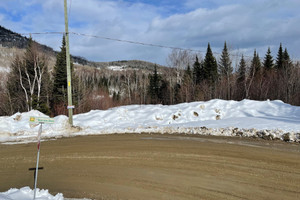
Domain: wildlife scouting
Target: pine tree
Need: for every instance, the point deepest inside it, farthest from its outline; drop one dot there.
(287, 74)
(188, 75)
(164, 93)
(242, 70)
(286, 59)
(59, 92)
(225, 67)
(279, 59)
(197, 72)
(255, 68)
(268, 61)
(60, 75)
(210, 67)
(241, 79)
(154, 86)
(177, 95)
(188, 72)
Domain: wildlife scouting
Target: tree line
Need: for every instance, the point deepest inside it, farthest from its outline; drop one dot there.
(199, 79)
(32, 84)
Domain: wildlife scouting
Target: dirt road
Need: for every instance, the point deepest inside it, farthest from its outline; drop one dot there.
(157, 167)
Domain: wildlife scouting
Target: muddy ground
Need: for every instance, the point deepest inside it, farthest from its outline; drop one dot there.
(144, 166)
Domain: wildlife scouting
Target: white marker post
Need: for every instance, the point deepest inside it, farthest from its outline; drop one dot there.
(37, 159)
(41, 121)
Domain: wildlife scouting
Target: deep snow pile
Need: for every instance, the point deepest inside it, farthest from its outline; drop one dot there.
(26, 193)
(248, 118)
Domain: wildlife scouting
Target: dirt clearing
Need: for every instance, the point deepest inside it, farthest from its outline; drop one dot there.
(144, 166)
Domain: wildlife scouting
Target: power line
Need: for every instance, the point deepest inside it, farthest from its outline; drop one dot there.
(149, 44)
(43, 33)
(124, 41)
(36, 33)
(114, 39)
(135, 42)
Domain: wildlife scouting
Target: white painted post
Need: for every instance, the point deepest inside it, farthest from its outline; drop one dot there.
(37, 159)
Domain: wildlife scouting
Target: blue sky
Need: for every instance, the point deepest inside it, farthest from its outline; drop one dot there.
(244, 24)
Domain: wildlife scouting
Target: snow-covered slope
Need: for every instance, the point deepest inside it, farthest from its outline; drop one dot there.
(267, 119)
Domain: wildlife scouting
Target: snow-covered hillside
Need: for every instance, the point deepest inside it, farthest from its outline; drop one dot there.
(247, 118)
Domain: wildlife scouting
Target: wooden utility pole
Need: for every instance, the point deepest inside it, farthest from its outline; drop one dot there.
(70, 106)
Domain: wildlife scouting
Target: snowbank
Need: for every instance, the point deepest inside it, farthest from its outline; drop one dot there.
(247, 118)
(26, 193)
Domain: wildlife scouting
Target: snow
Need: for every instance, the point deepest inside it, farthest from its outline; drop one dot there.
(117, 68)
(4, 69)
(248, 118)
(26, 193)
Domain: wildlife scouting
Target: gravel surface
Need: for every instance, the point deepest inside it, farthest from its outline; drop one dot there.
(154, 166)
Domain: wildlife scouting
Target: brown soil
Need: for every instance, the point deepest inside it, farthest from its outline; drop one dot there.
(140, 166)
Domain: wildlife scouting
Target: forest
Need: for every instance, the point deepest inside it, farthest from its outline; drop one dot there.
(33, 83)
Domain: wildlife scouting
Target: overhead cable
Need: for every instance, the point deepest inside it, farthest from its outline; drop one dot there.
(121, 40)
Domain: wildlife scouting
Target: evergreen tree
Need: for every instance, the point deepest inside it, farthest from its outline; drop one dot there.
(154, 86)
(177, 95)
(287, 67)
(197, 72)
(188, 76)
(188, 72)
(60, 75)
(210, 67)
(59, 92)
(225, 70)
(268, 61)
(279, 59)
(286, 59)
(242, 71)
(225, 67)
(255, 68)
(164, 92)
(241, 79)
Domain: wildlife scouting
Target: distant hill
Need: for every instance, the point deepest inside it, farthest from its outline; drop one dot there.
(11, 39)
(134, 64)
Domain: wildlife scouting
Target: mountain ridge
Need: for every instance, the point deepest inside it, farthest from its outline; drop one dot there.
(12, 39)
